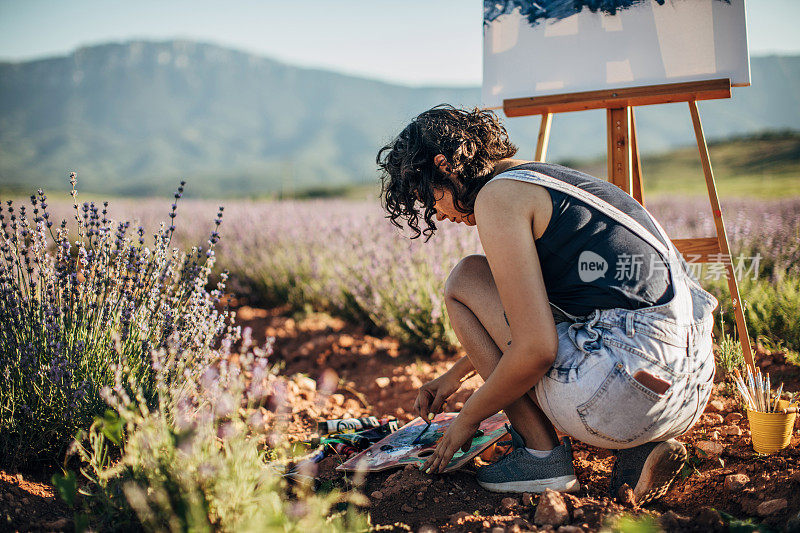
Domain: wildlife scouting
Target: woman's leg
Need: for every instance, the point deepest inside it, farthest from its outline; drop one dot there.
(476, 314)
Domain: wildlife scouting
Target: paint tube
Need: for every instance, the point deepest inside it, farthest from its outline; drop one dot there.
(341, 425)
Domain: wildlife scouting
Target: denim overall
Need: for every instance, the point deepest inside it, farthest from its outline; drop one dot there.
(589, 393)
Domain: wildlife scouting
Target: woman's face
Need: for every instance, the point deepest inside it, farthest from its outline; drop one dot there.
(446, 210)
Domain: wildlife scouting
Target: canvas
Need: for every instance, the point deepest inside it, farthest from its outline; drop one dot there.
(398, 449)
(562, 47)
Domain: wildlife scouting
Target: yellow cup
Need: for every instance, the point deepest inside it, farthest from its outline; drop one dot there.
(771, 432)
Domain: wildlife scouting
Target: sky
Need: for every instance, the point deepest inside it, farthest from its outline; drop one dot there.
(413, 42)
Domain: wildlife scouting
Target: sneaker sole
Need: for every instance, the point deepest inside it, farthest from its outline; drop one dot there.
(559, 484)
(660, 468)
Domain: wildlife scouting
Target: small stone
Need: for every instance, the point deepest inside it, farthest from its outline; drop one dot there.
(25, 501)
(498, 529)
(731, 430)
(458, 517)
(569, 529)
(733, 418)
(57, 525)
(736, 482)
(552, 509)
(338, 399)
(715, 406)
(714, 435)
(486, 524)
(383, 382)
(710, 519)
(772, 506)
(407, 508)
(796, 477)
(305, 382)
(508, 503)
(709, 448)
(523, 524)
(427, 528)
(377, 495)
(625, 496)
(712, 419)
(527, 499)
(420, 496)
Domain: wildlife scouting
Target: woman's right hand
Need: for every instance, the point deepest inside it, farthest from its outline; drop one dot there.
(432, 395)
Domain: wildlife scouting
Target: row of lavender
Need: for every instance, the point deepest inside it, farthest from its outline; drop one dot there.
(117, 362)
(344, 257)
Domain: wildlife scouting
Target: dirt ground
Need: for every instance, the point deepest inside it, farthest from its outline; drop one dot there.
(355, 374)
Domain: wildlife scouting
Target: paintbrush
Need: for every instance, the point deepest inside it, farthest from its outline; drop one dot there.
(777, 397)
(427, 425)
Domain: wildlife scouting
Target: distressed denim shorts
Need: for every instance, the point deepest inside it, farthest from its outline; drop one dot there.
(590, 394)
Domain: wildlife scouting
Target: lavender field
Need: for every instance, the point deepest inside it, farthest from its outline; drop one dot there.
(343, 257)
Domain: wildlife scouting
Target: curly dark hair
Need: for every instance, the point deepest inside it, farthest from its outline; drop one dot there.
(472, 141)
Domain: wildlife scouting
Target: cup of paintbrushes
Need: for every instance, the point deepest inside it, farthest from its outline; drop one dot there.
(771, 432)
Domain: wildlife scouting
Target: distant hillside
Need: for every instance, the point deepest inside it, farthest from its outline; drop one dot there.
(134, 118)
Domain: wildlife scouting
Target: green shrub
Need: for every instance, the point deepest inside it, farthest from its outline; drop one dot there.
(71, 308)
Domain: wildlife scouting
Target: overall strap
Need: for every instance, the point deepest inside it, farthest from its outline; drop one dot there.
(601, 205)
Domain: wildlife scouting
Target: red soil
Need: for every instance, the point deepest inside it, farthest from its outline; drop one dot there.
(346, 364)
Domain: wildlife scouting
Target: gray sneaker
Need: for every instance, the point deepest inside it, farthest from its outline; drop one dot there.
(519, 471)
(648, 469)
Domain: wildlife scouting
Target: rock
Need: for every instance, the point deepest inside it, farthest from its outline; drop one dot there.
(427, 528)
(736, 482)
(57, 525)
(338, 399)
(796, 477)
(305, 382)
(715, 406)
(733, 418)
(458, 517)
(527, 499)
(709, 519)
(383, 382)
(714, 435)
(771, 506)
(671, 521)
(523, 524)
(498, 529)
(712, 419)
(709, 448)
(625, 496)
(731, 430)
(407, 508)
(552, 509)
(508, 503)
(569, 529)
(377, 495)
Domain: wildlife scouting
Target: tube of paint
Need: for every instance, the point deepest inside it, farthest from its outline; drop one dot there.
(342, 425)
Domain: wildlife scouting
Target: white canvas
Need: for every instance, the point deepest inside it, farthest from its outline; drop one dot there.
(567, 46)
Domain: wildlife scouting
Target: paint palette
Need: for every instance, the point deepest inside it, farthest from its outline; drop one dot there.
(400, 449)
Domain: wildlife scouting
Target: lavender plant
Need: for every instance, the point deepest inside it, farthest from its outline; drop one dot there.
(197, 462)
(64, 301)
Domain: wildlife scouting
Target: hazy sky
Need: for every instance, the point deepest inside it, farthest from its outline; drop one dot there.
(409, 41)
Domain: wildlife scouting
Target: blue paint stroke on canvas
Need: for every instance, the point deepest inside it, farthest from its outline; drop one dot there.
(542, 10)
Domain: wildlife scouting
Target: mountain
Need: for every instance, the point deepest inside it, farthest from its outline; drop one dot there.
(134, 118)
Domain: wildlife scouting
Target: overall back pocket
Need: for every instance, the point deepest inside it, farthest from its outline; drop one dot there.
(622, 409)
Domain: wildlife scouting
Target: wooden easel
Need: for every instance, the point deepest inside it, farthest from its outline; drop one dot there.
(624, 165)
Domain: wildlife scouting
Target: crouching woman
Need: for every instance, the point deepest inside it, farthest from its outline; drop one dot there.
(581, 318)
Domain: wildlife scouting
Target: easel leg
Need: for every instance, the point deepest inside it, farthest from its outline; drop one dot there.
(619, 148)
(722, 236)
(544, 137)
(636, 164)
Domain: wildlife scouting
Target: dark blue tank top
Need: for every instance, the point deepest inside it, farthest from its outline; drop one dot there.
(590, 261)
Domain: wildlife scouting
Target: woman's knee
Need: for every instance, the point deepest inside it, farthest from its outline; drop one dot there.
(471, 270)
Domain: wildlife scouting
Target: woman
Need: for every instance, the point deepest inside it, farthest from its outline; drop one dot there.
(581, 317)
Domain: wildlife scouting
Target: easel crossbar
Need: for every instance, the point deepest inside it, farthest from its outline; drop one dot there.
(618, 98)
